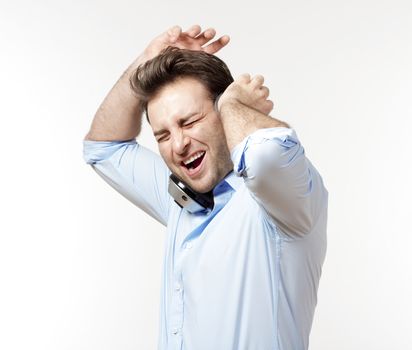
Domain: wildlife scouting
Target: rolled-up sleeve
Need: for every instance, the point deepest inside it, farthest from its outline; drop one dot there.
(281, 178)
(136, 172)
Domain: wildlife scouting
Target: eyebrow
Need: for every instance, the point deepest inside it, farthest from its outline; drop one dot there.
(181, 120)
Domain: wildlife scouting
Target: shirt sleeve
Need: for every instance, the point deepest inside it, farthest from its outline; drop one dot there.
(281, 178)
(136, 172)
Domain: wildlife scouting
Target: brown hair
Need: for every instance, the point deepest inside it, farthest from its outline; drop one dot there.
(174, 63)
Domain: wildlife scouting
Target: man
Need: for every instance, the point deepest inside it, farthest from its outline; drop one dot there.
(242, 273)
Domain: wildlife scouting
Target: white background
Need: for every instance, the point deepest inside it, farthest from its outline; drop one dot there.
(80, 266)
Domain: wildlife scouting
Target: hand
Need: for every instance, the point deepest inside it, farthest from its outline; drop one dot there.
(192, 39)
(249, 92)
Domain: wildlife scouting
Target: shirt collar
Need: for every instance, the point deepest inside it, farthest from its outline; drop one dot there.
(231, 182)
(234, 181)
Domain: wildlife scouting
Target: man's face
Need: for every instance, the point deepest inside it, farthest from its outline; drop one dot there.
(190, 134)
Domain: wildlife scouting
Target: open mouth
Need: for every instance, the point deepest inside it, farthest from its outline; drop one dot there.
(193, 163)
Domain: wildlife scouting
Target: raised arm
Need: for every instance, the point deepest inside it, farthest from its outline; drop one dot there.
(266, 152)
(119, 117)
(244, 108)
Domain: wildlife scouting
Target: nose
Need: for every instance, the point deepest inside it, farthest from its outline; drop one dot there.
(180, 142)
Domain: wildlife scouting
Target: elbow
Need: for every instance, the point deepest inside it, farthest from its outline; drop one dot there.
(87, 137)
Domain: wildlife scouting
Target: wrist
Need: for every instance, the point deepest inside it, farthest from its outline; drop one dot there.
(141, 59)
(221, 102)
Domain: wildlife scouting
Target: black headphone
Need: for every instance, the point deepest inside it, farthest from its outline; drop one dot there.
(187, 198)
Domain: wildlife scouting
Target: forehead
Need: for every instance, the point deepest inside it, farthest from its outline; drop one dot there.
(177, 100)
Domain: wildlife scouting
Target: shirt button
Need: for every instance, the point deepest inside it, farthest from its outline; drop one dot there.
(178, 287)
(188, 245)
(175, 331)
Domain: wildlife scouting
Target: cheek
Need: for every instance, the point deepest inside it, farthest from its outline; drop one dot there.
(165, 153)
(214, 135)
(205, 133)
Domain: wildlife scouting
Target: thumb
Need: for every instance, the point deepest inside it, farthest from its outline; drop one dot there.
(174, 33)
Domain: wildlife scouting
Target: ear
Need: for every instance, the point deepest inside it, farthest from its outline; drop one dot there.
(147, 116)
(146, 111)
(216, 106)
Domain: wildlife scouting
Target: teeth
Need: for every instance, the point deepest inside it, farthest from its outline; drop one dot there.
(194, 157)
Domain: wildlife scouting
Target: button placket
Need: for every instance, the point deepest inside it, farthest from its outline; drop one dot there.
(178, 287)
(176, 311)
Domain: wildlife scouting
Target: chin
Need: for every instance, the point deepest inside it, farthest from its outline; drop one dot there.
(201, 187)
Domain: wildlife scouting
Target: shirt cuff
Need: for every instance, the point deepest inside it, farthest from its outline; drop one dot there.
(285, 137)
(96, 151)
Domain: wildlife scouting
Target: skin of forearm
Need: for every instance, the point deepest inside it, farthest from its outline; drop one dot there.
(119, 117)
(240, 120)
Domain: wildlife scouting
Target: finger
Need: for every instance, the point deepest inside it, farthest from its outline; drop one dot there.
(245, 77)
(257, 80)
(267, 107)
(173, 33)
(206, 36)
(216, 45)
(193, 31)
(264, 91)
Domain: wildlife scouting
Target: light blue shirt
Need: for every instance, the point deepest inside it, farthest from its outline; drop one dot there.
(245, 275)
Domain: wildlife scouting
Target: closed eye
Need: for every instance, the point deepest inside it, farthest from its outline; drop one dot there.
(162, 138)
(190, 123)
